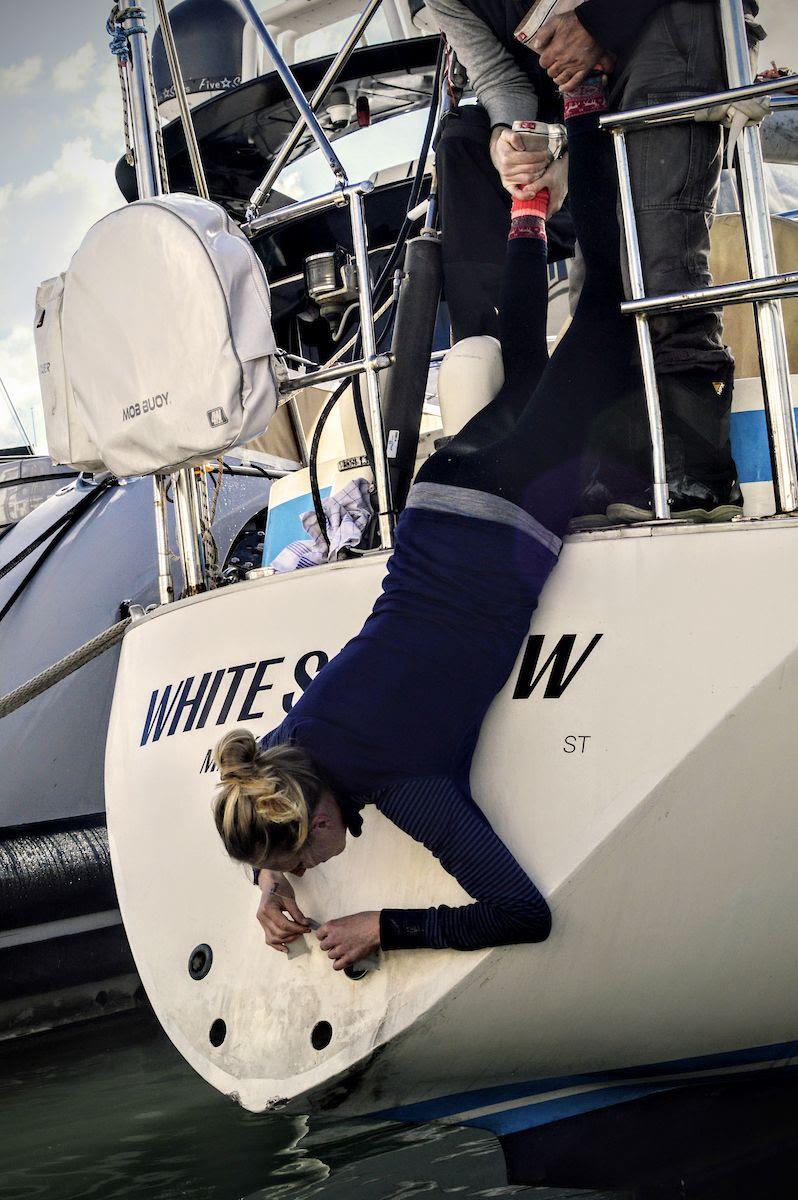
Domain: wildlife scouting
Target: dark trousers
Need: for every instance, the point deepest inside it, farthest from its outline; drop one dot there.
(475, 220)
(538, 464)
(676, 175)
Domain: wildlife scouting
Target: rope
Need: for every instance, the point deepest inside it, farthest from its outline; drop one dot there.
(206, 523)
(218, 491)
(119, 46)
(65, 666)
(158, 129)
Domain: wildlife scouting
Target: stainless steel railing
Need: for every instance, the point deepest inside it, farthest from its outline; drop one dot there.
(766, 287)
(330, 76)
(344, 194)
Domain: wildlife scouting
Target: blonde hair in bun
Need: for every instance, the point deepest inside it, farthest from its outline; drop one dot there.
(265, 798)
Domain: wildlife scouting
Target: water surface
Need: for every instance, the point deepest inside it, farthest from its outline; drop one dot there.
(110, 1110)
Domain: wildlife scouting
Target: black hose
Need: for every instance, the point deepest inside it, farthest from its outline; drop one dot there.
(406, 381)
(385, 275)
(362, 423)
(34, 545)
(59, 529)
(313, 466)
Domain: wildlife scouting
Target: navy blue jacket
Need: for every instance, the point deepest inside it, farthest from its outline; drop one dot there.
(394, 718)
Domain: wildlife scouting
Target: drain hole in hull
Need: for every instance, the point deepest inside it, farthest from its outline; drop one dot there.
(218, 1032)
(321, 1035)
(200, 961)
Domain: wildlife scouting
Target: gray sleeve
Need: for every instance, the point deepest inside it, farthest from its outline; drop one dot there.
(504, 90)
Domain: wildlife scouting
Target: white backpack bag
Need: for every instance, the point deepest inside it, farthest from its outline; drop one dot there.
(67, 440)
(167, 338)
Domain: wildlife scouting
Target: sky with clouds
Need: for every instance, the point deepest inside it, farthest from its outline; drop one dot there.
(60, 138)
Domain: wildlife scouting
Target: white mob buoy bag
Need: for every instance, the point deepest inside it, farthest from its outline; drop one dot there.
(165, 335)
(67, 439)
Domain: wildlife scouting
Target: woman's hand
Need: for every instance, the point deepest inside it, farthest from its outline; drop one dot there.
(556, 180)
(276, 900)
(516, 166)
(350, 938)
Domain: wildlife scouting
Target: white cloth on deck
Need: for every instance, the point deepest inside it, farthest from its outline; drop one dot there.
(348, 513)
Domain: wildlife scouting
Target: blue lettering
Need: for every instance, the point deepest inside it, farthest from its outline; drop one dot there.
(158, 717)
(192, 704)
(255, 687)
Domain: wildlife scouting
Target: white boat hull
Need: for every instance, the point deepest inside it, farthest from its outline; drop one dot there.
(650, 794)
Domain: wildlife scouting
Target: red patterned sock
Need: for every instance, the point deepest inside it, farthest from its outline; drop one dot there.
(528, 217)
(589, 97)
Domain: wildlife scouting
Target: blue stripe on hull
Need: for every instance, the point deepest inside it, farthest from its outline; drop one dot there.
(590, 1091)
(749, 439)
(545, 1112)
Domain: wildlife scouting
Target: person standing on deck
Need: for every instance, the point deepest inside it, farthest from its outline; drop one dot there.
(482, 167)
(666, 50)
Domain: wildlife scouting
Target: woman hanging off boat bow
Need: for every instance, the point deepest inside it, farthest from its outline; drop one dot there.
(394, 718)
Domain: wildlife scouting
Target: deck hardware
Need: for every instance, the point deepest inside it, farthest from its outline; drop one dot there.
(747, 291)
(321, 1035)
(200, 961)
(768, 315)
(298, 383)
(679, 110)
(217, 1033)
(298, 209)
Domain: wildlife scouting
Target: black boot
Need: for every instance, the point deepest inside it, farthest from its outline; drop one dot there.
(617, 466)
(701, 474)
(696, 411)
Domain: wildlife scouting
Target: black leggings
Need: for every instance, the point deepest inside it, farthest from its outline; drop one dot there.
(537, 465)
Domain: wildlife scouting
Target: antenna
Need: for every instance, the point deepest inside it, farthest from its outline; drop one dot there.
(25, 439)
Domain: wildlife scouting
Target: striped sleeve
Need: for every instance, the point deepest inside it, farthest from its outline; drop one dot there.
(508, 907)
